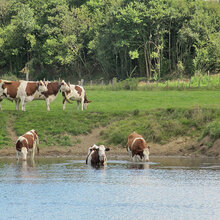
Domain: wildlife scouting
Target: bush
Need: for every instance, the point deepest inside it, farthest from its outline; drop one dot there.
(212, 130)
(10, 77)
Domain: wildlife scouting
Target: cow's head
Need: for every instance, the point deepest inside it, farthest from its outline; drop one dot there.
(100, 152)
(85, 104)
(64, 87)
(41, 87)
(146, 153)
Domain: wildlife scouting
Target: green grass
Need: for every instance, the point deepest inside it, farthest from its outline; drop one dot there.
(147, 112)
(4, 138)
(161, 125)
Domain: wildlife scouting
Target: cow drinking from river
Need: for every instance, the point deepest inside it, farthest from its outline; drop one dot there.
(28, 142)
(96, 155)
(137, 148)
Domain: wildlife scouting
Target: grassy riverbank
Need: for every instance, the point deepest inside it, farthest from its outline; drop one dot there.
(161, 116)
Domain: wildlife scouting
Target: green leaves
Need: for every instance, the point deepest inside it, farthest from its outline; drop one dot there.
(102, 38)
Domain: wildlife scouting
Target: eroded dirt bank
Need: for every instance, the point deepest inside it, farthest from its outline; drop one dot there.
(182, 146)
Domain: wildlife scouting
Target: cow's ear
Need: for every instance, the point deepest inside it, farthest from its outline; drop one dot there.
(107, 149)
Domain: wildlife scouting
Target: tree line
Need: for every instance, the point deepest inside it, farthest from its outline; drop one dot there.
(102, 39)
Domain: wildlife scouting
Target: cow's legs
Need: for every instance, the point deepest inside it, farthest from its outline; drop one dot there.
(64, 103)
(82, 102)
(33, 150)
(23, 104)
(17, 155)
(130, 154)
(78, 102)
(0, 103)
(17, 104)
(48, 104)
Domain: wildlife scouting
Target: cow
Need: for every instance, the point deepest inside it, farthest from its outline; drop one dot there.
(28, 142)
(96, 155)
(52, 91)
(137, 148)
(20, 91)
(76, 93)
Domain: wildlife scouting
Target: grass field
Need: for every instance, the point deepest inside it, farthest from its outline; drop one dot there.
(158, 115)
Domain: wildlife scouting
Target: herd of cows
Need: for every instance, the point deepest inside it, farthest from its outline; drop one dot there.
(27, 91)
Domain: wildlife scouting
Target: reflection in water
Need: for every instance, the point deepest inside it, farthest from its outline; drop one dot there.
(97, 167)
(138, 166)
(60, 188)
(26, 171)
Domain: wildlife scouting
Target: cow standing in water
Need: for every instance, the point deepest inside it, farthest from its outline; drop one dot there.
(20, 91)
(28, 142)
(76, 93)
(53, 89)
(96, 155)
(137, 148)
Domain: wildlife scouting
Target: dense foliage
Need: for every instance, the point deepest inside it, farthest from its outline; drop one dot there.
(95, 39)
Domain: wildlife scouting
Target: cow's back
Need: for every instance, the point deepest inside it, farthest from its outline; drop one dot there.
(11, 88)
(131, 138)
(31, 88)
(53, 89)
(30, 139)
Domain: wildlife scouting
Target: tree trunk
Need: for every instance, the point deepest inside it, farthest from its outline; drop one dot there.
(145, 60)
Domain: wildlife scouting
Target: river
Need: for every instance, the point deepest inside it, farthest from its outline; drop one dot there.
(65, 188)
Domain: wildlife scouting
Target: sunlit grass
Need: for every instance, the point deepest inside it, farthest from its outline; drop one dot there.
(109, 107)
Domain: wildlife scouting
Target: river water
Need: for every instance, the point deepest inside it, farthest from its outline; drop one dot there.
(64, 188)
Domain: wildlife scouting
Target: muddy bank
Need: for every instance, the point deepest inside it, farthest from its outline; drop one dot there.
(183, 146)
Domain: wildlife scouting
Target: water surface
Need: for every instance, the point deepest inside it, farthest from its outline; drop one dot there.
(63, 188)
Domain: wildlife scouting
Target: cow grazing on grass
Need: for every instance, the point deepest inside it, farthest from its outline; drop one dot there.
(137, 148)
(28, 142)
(96, 155)
(53, 89)
(76, 93)
(20, 91)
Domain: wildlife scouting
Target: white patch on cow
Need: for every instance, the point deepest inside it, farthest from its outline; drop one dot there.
(102, 156)
(146, 155)
(24, 153)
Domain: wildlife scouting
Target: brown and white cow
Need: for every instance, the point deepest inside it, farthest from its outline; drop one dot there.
(20, 91)
(137, 148)
(28, 142)
(96, 155)
(76, 93)
(53, 89)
